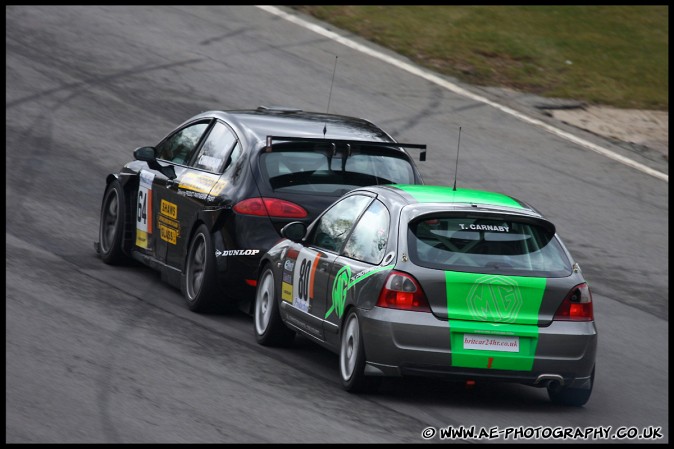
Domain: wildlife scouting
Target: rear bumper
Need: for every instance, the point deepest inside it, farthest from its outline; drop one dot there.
(403, 343)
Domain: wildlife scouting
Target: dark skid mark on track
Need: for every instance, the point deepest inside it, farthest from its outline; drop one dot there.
(101, 80)
(223, 37)
(431, 109)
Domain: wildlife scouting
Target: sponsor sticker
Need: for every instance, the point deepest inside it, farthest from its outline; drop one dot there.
(169, 209)
(287, 292)
(198, 182)
(287, 277)
(168, 234)
(491, 343)
(169, 228)
(236, 252)
(162, 220)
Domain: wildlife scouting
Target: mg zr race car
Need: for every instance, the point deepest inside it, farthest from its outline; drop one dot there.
(427, 280)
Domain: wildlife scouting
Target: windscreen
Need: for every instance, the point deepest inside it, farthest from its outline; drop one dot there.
(322, 172)
(486, 245)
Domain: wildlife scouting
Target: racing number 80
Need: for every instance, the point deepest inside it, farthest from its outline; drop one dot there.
(303, 287)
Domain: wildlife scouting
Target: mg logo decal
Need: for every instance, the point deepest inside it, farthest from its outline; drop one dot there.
(494, 298)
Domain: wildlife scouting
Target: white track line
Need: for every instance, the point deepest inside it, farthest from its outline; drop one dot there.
(460, 91)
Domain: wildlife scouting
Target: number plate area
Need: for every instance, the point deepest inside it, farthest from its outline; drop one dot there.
(491, 343)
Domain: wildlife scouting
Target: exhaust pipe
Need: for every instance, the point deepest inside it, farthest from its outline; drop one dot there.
(549, 380)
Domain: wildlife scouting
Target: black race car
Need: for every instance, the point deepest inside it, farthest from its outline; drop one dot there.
(205, 203)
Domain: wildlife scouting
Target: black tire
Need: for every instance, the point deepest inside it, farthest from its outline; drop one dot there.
(267, 323)
(200, 285)
(576, 397)
(112, 222)
(352, 357)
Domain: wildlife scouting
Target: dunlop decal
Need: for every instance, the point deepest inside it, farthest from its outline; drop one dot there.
(236, 252)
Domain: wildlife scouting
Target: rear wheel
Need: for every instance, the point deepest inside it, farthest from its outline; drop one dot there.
(269, 328)
(352, 357)
(111, 229)
(571, 396)
(200, 286)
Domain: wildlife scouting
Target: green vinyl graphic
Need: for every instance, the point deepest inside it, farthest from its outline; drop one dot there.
(493, 319)
(442, 194)
(343, 282)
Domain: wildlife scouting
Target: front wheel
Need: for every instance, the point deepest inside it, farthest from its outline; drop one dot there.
(111, 229)
(200, 286)
(269, 328)
(352, 357)
(571, 396)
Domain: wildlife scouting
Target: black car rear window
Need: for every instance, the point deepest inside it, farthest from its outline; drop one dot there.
(296, 171)
(483, 245)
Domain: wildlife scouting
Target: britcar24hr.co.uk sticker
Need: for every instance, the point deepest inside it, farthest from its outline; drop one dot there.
(144, 209)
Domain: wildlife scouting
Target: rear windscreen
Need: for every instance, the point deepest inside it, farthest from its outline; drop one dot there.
(482, 245)
(324, 173)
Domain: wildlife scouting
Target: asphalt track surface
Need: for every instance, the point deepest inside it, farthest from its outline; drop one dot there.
(106, 354)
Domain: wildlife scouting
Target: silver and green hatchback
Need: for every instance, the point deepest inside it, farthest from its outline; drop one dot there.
(430, 280)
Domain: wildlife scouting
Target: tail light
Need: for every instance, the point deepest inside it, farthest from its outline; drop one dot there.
(402, 291)
(270, 207)
(577, 306)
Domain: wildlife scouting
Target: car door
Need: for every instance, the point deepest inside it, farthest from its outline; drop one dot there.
(310, 264)
(356, 275)
(167, 208)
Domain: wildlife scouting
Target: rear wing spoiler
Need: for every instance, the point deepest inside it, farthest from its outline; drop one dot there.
(346, 144)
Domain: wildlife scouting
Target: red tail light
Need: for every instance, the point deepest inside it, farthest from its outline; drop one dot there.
(270, 207)
(402, 291)
(577, 306)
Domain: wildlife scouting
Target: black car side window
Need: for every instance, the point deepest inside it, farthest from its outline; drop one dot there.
(334, 226)
(179, 147)
(216, 148)
(368, 240)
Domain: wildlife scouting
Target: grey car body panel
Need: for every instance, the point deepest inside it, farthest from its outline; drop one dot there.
(400, 342)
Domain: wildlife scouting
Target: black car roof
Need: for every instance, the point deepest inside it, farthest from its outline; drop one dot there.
(259, 123)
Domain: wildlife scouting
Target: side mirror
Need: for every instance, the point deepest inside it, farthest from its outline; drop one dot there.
(147, 154)
(294, 231)
(144, 154)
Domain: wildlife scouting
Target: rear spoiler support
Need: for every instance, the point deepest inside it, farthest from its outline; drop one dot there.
(347, 143)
